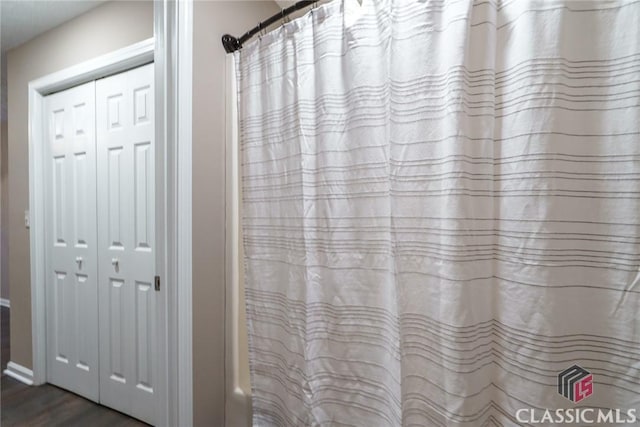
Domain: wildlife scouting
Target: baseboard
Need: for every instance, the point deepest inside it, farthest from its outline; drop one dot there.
(19, 373)
(5, 302)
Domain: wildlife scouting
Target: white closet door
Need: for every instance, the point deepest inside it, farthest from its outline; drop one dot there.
(126, 240)
(70, 234)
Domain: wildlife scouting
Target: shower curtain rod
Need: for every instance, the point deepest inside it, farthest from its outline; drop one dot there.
(231, 44)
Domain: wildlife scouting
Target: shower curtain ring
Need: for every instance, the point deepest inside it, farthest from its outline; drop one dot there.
(285, 18)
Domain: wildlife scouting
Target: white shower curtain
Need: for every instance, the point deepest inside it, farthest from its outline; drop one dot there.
(441, 211)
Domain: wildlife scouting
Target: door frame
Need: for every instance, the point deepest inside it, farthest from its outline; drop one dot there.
(171, 51)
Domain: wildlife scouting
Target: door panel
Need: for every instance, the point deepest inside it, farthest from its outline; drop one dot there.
(126, 240)
(71, 237)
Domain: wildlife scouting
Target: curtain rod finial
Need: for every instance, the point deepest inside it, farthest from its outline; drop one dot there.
(230, 43)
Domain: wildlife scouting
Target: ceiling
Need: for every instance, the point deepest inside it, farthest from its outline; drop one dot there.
(23, 20)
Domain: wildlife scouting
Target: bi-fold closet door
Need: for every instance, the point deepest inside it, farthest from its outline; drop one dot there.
(100, 232)
(71, 234)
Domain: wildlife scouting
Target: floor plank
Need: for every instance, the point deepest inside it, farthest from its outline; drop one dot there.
(47, 405)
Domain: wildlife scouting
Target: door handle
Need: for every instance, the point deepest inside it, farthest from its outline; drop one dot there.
(115, 262)
(79, 261)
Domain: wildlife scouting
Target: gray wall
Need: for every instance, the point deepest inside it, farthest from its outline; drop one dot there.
(211, 21)
(4, 188)
(4, 218)
(101, 30)
(106, 28)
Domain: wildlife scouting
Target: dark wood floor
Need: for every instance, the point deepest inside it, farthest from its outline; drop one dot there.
(50, 406)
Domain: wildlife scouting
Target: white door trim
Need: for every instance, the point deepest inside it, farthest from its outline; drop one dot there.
(184, 204)
(172, 42)
(173, 23)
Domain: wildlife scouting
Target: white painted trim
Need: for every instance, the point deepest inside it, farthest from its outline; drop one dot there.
(20, 373)
(174, 36)
(238, 400)
(184, 211)
(5, 302)
(36, 235)
(166, 382)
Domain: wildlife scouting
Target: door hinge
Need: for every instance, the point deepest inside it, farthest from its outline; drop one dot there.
(156, 282)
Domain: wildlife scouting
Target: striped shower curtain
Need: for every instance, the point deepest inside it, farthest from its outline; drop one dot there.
(441, 213)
